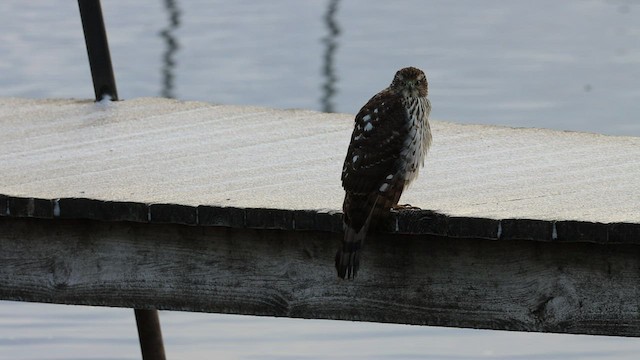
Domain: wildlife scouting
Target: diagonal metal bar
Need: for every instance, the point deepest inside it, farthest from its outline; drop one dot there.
(95, 36)
(104, 84)
(150, 334)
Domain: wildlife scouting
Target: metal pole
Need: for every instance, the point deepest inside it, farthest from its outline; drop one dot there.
(150, 335)
(95, 36)
(104, 84)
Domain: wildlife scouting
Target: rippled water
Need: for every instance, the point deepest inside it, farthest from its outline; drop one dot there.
(567, 65)
(561, 64)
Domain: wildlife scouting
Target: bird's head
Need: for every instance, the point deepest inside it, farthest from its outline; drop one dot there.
(410, 82)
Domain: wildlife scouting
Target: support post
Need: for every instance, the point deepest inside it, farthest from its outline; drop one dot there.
(95, 36)
(150, 334)
(104, 84)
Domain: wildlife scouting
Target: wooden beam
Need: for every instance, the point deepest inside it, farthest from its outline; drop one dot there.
(566, 287)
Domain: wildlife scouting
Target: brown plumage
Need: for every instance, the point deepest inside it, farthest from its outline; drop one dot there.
(388, 146)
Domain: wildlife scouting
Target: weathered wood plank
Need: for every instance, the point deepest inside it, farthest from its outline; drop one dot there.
(571, 287)
(411, 222)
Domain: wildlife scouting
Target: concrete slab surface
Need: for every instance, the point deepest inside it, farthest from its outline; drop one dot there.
(160, 151)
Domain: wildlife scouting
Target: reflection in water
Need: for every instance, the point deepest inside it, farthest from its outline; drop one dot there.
(328, 70)
(168, 61)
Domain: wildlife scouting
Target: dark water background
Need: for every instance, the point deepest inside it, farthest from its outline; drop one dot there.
(571, 65)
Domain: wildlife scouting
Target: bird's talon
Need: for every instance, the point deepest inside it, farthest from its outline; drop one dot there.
(405, 207)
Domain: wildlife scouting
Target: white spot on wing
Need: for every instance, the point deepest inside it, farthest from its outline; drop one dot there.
(366, 117)
(368, 127)
(390, 176)
(355, 158)
(384, 187)
(375, 111)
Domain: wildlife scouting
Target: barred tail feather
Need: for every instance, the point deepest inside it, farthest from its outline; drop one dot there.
(348, 255)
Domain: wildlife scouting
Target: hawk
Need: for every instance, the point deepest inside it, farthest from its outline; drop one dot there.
(388, 146)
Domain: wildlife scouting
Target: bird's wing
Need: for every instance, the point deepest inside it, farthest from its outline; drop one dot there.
(376, 144)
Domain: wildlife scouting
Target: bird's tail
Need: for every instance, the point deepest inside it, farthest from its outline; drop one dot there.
(348, 255)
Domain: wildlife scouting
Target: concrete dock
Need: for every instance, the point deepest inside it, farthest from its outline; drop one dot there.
(157, 203)
(191, 153)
